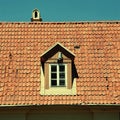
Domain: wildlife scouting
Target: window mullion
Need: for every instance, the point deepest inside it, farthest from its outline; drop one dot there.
(58, 75)
(65, 75)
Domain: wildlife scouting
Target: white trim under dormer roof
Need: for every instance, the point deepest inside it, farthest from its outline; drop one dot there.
(56, 45)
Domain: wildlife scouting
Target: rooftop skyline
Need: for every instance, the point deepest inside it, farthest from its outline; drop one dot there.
(60, 10)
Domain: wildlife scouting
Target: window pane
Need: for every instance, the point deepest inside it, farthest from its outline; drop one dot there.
(61, 68)
(62, 82)
(53, 68)
(54, 75)
(53, 82)
(62, 75)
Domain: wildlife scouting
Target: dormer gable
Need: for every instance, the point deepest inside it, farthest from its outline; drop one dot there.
(57, 51)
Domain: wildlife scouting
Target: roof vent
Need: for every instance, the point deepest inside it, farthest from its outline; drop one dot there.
(36, 16)
(77, 46)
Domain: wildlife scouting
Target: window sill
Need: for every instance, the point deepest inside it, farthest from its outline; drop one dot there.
(58, 86)
(59, 90)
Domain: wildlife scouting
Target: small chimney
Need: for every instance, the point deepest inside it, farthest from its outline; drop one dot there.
(36, 16)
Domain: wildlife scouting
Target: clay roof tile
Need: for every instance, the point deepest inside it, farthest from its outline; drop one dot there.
(96, 46)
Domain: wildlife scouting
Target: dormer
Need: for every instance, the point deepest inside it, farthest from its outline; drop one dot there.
(57, 71)
(36, 16)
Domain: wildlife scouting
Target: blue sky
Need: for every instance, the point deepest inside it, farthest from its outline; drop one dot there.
(60, 10)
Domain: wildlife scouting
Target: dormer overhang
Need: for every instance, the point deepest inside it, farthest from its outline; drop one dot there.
(58, 47)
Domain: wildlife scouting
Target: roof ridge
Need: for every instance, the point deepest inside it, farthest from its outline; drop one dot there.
(64, 22)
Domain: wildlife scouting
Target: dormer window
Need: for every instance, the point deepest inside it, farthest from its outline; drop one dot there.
(56, 71)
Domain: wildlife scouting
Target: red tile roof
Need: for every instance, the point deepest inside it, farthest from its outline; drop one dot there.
(97, 61)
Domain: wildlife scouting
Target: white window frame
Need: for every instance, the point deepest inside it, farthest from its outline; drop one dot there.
(57, 64)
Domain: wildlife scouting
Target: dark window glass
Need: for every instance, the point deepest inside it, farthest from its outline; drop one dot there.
(62, 75)
(36, 14)
(53, 75)
(62, 82)
(53, 68)
(53, 82)
(61, 68)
